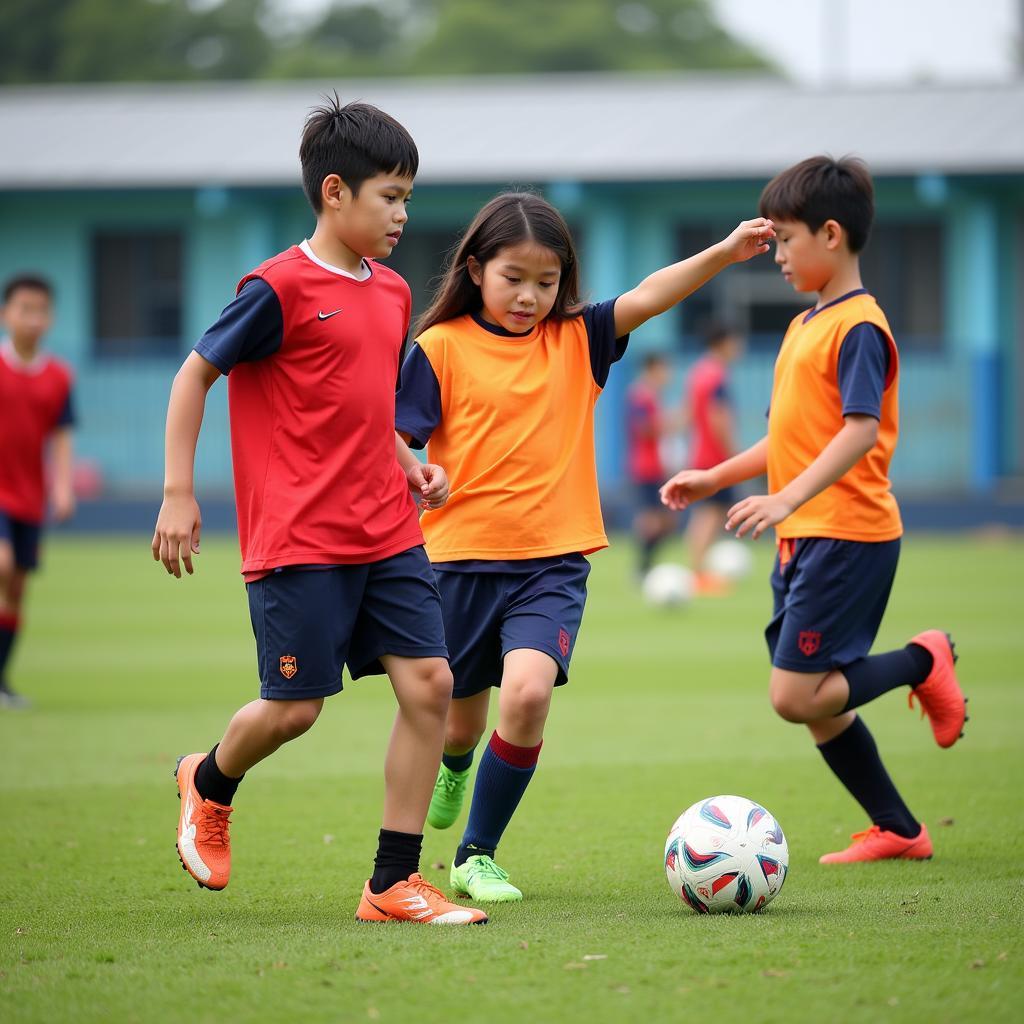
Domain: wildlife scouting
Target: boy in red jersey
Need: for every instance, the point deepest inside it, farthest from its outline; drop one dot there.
(332, 552)
(36, 412)
(832, 429)
(645, 428)
(708, 411)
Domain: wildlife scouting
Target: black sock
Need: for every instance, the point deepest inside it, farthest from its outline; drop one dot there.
(398, 856)
(464, 852)
(870, 677)
(647, 550)
(853, 757)
(458, 762)
(212, 783)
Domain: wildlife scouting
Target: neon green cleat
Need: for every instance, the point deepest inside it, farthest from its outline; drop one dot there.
(449, 792)
(482, 880)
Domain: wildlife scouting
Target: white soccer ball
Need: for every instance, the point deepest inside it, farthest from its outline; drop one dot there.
(730, 559)
(667, 584)
(726, 854)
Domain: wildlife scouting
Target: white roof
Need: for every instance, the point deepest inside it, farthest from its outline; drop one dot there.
(505, 129)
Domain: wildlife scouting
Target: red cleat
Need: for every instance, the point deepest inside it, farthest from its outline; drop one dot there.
(940, 694)
(204, 845)
(877, 844)
(415, 900)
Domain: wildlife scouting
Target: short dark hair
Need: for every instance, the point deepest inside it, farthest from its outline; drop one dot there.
(715, 332)
(653, 359)
(31, 282)
(820, 189)
(355, 141)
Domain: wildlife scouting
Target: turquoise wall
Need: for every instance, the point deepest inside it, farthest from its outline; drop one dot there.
(959, 411)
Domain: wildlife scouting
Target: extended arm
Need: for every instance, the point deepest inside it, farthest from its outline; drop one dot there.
(179, 522)
(664, 288)
(62, 456)
(757, 513)
(690, 485)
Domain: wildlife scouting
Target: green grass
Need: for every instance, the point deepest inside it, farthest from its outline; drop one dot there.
(129, 668)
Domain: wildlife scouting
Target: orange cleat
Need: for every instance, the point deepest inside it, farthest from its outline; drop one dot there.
(416, 900)
(878, 844)
(940, 694)
(707, 584)
(204, 846)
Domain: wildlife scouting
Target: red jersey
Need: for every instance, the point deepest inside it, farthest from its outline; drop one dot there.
(706, 386)
(35, 400)
(313, 358)
(643, 433)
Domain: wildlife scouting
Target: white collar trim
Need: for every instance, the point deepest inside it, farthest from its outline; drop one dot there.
(364, 267)
(10, 355)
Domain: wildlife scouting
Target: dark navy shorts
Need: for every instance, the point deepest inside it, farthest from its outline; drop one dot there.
(829, 602)
(538, 606)
(726, 497)
(310, 622)
(647, 495)
(23, 537)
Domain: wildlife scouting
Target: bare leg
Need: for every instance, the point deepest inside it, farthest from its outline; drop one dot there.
(527, 683)
(467, 720)
(706, 521)
(259, 728)
(423, 687)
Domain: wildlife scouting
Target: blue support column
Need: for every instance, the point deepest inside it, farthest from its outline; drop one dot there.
(604, 276)
(974, 314)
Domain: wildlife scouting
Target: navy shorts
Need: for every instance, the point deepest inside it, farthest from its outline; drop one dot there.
(647, 495)
(726, 497)
(23, 537)
(487, 614)
(829, 602)
(311, 622)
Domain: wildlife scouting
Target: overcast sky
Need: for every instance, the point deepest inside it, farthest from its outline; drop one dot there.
(865, 41)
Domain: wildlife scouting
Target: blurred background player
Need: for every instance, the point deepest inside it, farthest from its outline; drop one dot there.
(832, 430)
(36, 413)
(646, 426)
(708, 412)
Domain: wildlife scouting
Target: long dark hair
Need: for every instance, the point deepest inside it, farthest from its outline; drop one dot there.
(507, 220)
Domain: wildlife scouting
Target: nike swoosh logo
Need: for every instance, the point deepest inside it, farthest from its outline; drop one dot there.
(321, 315)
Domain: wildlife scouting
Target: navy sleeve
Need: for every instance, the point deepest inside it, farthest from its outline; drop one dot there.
(863, 370)
(721, 394)
(605, 348)
(250, 327)
(67, 414)
(418, 402)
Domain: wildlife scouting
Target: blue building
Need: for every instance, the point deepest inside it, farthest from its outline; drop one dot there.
(145, 204)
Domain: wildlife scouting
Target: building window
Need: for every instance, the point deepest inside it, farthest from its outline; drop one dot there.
(138, 293)
(902, 267)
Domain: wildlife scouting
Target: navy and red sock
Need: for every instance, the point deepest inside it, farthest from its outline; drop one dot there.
(8, 634)
(501, 780)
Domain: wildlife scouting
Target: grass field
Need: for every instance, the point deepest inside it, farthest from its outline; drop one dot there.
(129, 668)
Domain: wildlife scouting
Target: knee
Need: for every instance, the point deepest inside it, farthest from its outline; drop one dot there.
(530, 702)
(6, 566)
(435, 689)
(790, 706)
(296, 718)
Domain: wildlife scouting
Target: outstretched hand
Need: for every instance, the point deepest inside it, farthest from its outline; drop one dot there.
(756, 514)
(686, 487)
(750, 238)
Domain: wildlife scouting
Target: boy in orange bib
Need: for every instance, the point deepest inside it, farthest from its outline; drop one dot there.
(832, 429)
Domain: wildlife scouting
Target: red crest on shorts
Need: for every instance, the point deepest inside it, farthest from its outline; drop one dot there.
(563, 642)
(289, 666)
(809, 642)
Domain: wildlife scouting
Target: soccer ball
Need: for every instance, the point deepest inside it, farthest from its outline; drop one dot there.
(726, 854)
(730, 559)
(668, 584)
